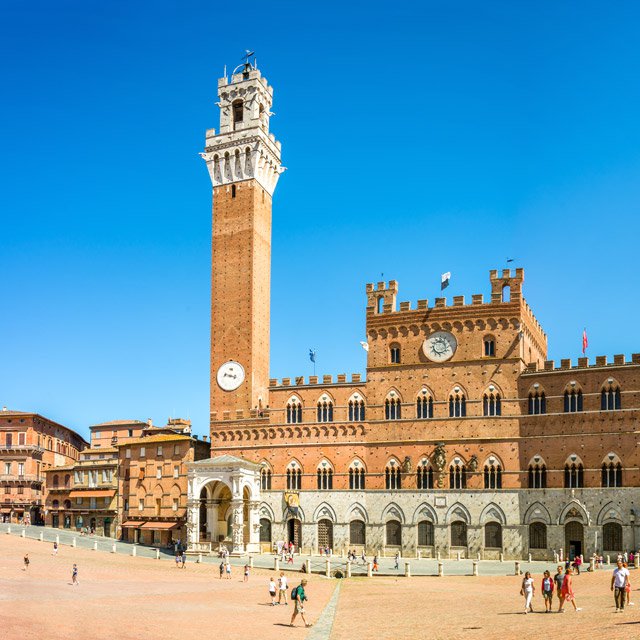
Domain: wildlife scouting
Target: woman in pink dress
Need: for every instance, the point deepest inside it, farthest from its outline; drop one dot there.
(566, 593)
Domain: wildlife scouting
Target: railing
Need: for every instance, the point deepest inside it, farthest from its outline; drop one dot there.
(11, 477)
(22, 447)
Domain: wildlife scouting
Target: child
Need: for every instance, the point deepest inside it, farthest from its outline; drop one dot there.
(221, 568)
(74, 575)
(55, 549)
(246, 573)
(547, 591)
(272, 591)
(26, 561)
(375, 563)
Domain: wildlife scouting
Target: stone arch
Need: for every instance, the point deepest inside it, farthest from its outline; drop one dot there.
(393, 393)
(537, 460)
(492, 459)
(574, 458)
(574, 510)
(266, 511)
(424, 390)
(537, 512)
(425, 512)
(493, 513)
(324, 511)
(357, 512)
(458, 511)
(393, 512)
(610, 513)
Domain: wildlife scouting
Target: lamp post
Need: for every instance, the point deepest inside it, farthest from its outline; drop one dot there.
(632, 519)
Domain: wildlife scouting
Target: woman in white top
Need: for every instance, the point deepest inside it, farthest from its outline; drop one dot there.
(527, 591)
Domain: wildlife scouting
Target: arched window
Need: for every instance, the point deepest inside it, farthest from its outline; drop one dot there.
(537, 474)
(491, 405)
(458, 534)
(492, 475)
(493, 535)
(67, 504)
(356, 475)
(392, 476)
(537, 403)
(424, 475)
(357, 532)
(265, 479)
(55, 481)
(380, 304)
(294, 477)
(325, 409)
(356, 409)
(394, 533)
(394, 353)
(572, 401)
(424, 405)
(67, 481)
(612, 537)
(265, 530)
(506, 293)
(489, 343)
(457, 475)
(612, 471)
(573, 473)
(425, 533)
(55, 504)
(610, 397)
(294, 411)
(324, 475)
(238, 112)
(538, 535)
(457, 404)
(392, 407)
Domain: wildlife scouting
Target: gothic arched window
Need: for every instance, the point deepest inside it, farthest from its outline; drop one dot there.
(238, 112)
(537, 403)
(324, 475)
(356, 409)
(457, 475)
(493, 475)
(491, 405)
(294, 477)
(457, 404)
(294, 411)
(265, 479)
(573, 473)
(572, 401)
(489, 343)
(392, 475)
(392, 408)
(325, 409)
(356, 475)
(424, 476)
(612, 471)
(537, 474)
(610, 397)
(424, 405)
(394, 353)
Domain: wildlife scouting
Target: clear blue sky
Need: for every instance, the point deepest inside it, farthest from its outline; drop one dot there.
(419, 138)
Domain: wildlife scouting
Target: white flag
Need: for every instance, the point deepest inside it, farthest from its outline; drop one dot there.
(444, 280)
(364, 345)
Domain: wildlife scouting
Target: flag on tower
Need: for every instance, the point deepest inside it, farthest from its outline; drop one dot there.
(444, 280)
(364, 345)
(312, 355)
(585, 341)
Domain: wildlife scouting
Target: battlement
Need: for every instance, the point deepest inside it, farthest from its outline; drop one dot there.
(382, 298)
(583, 363)
(299, 381)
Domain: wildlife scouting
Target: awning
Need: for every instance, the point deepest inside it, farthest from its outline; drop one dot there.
(132, 523)
(6, 510)
(159, 525)
(96, 493)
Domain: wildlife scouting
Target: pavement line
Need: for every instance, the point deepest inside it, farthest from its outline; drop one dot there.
(321, 630)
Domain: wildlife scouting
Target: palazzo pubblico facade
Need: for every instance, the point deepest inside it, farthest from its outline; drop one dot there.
(463, 438)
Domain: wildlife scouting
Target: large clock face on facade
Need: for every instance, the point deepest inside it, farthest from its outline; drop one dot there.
(230, 375)
(440, 346)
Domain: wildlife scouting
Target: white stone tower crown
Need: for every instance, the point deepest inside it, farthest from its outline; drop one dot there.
(244, 149)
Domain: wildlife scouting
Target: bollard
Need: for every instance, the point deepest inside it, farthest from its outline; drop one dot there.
(419, 555)
(95, 545)
(369, 570)
(9, 529)
(41, 537)
(23, 533)
(440, 569)
(73, 542)
(348, 568)
(561, 555)
(133, 551)
(501, 557)
(200, 558)
(608, 560)
(407, 569)
(327, 570)
(636, 561)
(556, 558)
(438, 556)
(157, 554)
(276, 564)
(57, 539)
(113, 548)
(518, 572)
(308, 564)
(475, 567)
(458, 556)
(529, 557)
(251, 562)
(478, 555)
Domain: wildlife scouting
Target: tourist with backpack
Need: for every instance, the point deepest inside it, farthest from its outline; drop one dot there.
(299, 596)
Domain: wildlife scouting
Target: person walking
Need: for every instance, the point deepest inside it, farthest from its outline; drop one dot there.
(26, 561)
(282, 588)
(558, 579)
(299, 596)
(619, 581)
(228, 570)
(527, 591)
(566, 592)
(375, 563)
(548, 584)
(246, 573)
(55, 549)
(272, 591)
(178, 558)
(184, 558)
(221, 569)
(397, 560)
(74, 575)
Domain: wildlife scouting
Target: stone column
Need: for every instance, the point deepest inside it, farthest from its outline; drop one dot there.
(193, 522)
(237, 528)
(253, 546)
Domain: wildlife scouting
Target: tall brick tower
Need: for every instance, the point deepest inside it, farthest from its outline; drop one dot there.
(243, 160)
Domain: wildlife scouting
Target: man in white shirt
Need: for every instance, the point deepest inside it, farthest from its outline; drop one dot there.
(619, 581)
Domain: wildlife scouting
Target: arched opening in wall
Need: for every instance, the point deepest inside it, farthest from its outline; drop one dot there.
(294, 476)
(357, 532)
(380, 304)
(493, 535)
(356, 409)
(356, 476)
(237, 109)
(610, 397)
(55, 482)
(324, 476)
(458, 534)
(265, 479)
(265, 530)
(572, 401)
(506, 293)
(573, 474)
(424, 475)
(493, 475)
(394, 533)
(537, 535)
(612, 537)
(325, 534)
(203, 515)
(392, 476)
(294, 532)
(574, 538)
(457, 475)
(394, 353)
(425, 533)
(538, 476)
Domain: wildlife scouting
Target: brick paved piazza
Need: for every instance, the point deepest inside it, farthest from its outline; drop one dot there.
(124, 597)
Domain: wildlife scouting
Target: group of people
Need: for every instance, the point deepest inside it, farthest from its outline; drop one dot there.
(181, 559)
(298, 596)
(74, 569)
(561, 584)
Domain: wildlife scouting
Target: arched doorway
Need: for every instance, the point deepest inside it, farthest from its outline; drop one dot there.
(294, 532)
(574, 538)
(215, 513)
(325, 534)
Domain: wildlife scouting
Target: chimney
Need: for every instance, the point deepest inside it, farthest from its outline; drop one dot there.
(204, 438)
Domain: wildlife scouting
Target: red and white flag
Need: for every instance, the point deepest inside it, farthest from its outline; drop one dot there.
(585, 341)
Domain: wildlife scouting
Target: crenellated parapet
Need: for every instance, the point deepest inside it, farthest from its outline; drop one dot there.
(315, 381)
(566, 364)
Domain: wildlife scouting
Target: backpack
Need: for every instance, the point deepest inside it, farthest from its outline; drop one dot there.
(294, 593)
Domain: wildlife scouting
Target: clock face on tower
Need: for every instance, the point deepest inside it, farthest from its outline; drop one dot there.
(230, 375)
(440, 346)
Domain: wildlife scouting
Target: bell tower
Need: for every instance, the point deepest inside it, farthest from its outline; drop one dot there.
(243, 160)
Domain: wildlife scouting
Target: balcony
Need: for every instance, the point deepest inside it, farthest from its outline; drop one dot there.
(32, 449)
(10, 477)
